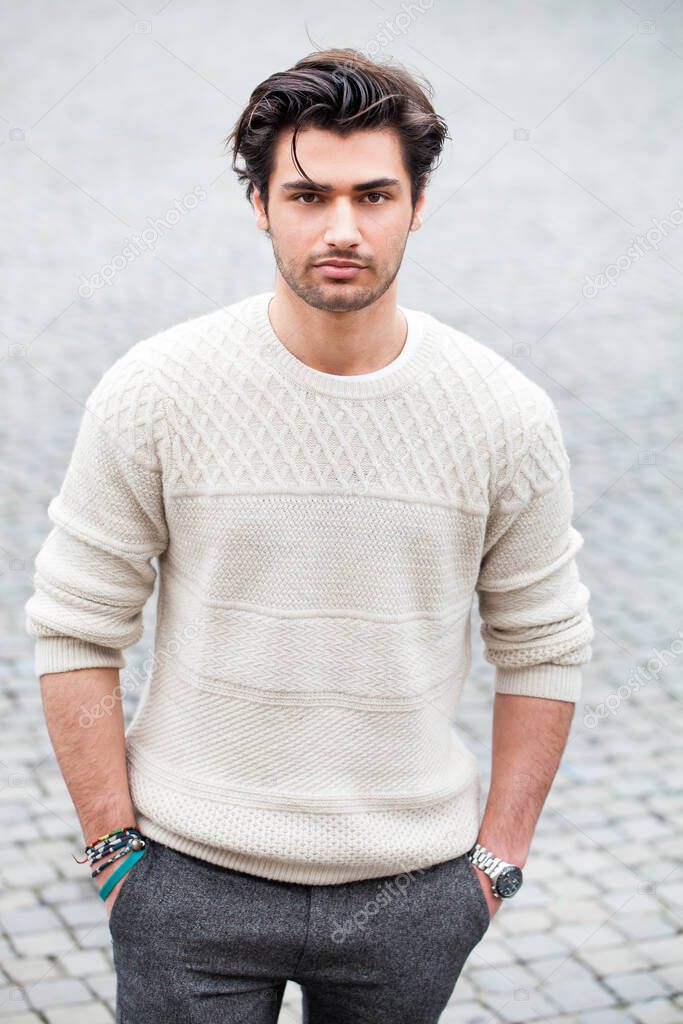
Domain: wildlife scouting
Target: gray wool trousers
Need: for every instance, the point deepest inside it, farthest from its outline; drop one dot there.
(196, 943)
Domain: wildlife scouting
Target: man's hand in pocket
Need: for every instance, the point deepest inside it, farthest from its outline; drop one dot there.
(104, 875)
(492, 901)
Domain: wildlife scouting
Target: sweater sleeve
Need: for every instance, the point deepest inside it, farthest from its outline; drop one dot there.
(94, 571)
(534, 608)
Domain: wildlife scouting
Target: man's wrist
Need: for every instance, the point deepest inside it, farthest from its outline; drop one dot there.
(503, 872)
(107, 863)
(106, 816)
(513, 853)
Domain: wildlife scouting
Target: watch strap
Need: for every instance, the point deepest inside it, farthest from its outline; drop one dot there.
(487, 861)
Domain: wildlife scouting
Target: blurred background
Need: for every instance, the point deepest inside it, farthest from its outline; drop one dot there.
(553, 234)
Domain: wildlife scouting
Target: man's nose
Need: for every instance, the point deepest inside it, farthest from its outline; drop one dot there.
(342, 227)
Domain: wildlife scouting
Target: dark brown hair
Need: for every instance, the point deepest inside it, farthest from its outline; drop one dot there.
(340, 90)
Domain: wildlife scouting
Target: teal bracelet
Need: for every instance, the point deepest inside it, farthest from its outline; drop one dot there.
(128, 862)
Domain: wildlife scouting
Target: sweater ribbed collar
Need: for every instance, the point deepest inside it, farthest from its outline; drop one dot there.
(278, 355)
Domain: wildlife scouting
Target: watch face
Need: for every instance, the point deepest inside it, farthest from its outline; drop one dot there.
(509, 881)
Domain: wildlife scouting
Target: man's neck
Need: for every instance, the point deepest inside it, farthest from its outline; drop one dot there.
(350, 342)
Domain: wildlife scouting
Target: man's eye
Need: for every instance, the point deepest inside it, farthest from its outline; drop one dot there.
(313, 195)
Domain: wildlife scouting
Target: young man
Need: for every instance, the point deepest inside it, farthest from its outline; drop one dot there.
(327, 478)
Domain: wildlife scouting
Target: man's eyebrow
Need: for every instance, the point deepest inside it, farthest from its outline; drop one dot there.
(365, 186)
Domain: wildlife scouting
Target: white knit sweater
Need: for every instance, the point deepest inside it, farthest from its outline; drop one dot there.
(320, 541)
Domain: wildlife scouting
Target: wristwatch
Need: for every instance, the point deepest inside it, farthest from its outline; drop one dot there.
(506, 878)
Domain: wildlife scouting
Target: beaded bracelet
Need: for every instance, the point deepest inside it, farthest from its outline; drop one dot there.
(124, 840)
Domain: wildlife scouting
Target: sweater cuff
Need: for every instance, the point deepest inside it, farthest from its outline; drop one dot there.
(64, 653)
(558, 682)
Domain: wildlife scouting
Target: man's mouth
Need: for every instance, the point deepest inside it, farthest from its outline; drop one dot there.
(339, 269)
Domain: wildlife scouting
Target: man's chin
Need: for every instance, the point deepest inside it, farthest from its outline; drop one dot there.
(339, 296)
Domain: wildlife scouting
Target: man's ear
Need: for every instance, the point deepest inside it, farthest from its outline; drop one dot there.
(416, 222)
(261, 215)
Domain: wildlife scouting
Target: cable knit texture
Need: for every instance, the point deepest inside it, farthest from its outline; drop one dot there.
(318, 542)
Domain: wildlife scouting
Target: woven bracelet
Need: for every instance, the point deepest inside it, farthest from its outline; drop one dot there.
(128, 863)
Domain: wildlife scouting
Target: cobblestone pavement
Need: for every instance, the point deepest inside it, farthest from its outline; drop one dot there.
(566, 143)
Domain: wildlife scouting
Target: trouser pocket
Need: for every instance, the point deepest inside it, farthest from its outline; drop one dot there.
(129, 883)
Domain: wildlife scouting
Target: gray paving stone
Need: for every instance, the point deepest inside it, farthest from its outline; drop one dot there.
(574, 994)
(635, 854)
(536, 896)
(29, 873)
(615, 960)
(663, 951)
(17, 899)
(670, 893)
(672, 976)
(14, 810)
(495, 952)
(86, 1013)
(525, 1005)
(466, 1012)
(674, 847)
(87, 911)
(65, 890)
(22, 831)
(95, 936)
(538, 945)
(466, 990)
(523, 921)
(635, 899)
(664, 803)
(609, 1016)
(21, 1018)
(24, 969)
(514, 976)
(104, 985)
(30, 919)
(650, 825)
(623, 881)
(82, 963)
(11, 853)
(51, 943)
(656, 1011)
(567, 967)
(44, 995)
(637, 985)
(590, 911)
(12, 1001)
(640, 926)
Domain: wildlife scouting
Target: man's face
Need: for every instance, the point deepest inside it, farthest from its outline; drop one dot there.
(369, 226)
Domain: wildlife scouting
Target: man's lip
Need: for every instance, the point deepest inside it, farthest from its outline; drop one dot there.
(339, 263)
